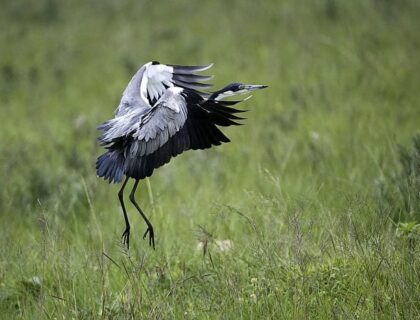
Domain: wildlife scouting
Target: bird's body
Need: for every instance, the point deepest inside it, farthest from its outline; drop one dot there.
(162, 113)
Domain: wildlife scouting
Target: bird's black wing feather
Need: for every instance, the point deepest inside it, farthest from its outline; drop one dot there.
(200, 131)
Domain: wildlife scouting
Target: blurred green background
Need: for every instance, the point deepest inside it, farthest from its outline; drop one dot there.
(318, 194)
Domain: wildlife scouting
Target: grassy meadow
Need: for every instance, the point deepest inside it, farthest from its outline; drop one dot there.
(311, 212)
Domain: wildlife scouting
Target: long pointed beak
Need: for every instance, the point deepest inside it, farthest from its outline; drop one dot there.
(253, 87)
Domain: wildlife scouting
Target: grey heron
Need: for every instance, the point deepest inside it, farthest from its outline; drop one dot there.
(162, 113)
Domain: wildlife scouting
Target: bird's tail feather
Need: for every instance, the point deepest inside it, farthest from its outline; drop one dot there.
(110, 166)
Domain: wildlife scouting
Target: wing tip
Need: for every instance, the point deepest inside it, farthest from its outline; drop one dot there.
(196, 68)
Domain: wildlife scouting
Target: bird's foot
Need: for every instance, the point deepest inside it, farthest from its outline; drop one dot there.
(151, 236)
(126, 238)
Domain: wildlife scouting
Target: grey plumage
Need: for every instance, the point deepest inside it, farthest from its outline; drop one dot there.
(162, 113)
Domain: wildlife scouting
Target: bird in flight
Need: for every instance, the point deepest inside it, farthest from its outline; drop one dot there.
(162, 113)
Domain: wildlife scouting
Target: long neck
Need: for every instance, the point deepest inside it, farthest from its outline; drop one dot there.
(221, 94)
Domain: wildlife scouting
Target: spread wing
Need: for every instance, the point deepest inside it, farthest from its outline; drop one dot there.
(180, 120)
(163, 121)
(151, 81)
(198, 130)
(147, 131)
(157, 78)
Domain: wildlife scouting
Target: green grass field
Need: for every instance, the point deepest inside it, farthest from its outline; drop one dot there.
(318, 194)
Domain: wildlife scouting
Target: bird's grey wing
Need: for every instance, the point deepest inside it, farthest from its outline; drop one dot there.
(121, 127)
(147, 129)
(157, 126)
(133, 136)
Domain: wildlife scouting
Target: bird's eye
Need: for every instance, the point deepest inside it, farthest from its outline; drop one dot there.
(155, 62)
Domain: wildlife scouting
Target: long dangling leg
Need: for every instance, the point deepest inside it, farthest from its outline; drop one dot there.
(149, 225)
(126, 234)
